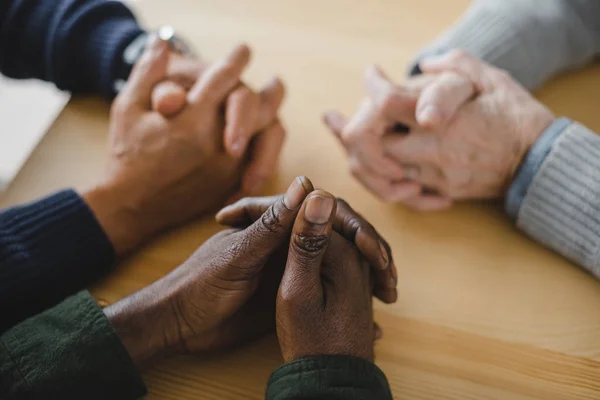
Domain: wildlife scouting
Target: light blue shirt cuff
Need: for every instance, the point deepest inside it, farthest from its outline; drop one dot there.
(532, 163)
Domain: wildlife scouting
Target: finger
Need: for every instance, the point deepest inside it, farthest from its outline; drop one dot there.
(264, 158)
(377, 331)
(168, 98)
(429, 202)
(220, 78)
(427, 175)
(458, 61)
(416, 148)
(440, 101)
(271, 98)
(308, 243)
(245, 211)
(348, 223)
(184, 70)
(362, 137)
(241, 115)
(387, 189)
(336, 122)
(147, 73)
(352, 226)
(391, 100)
(372, 246)
(275, 224)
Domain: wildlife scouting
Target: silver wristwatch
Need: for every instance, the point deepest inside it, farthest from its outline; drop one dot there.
(136, 48)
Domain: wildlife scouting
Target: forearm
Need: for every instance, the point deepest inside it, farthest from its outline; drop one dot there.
(78, 45)
(68, 352)
(49, 249)
(328, 377)
(532, 40)
(555, 197)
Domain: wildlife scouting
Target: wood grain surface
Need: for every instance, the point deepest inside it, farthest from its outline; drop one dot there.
(483, 312)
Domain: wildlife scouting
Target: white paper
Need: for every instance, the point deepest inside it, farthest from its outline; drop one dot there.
(27, 110)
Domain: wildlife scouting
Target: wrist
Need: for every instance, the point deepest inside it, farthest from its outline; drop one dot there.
(535, 126)
(141, 322)
(532, 162)
(118, 215)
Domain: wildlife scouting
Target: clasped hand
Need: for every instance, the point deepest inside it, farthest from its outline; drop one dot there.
(304, 262)
(467, 127)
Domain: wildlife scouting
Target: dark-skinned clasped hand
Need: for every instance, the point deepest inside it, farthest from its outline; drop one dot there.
(324, 304)
(225, 294)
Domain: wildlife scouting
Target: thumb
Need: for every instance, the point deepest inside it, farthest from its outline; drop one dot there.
(147, 73)
(310, 236)
(168, 98)
(441, 100)
(273, 228)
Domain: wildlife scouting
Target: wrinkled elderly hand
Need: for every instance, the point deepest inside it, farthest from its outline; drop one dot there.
(163, 172)
(469, 130)
(252, 126)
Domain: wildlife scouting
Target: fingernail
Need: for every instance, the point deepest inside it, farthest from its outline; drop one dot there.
(430, 115)
(394, 272)
(237, 147)
(294, 195)
(392, 283)
(384, 255)
(378, 334)
(319, 209)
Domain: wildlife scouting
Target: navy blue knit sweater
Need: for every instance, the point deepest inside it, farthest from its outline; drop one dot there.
(77, 45)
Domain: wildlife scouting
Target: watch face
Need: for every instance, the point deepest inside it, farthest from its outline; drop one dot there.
(167, 33)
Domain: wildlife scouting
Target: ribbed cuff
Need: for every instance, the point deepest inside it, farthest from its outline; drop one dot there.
(96, 33)
(49, 250)
(328, 377)
(562, 206)
(104, 49)
(530, 166)
(68, 352)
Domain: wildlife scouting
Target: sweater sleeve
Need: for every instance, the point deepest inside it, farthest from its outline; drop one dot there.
(328, 377)
(77, 44)
(531, 39)
(68, 352)
(49, 250)
(561, 204)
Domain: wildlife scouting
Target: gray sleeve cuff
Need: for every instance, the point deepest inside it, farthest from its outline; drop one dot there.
(515, 35)
(561, 209)
(533, 160)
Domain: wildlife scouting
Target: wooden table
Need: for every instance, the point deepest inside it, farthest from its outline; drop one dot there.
(483, 313)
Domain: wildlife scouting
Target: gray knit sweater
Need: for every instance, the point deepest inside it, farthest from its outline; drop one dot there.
(555, 196)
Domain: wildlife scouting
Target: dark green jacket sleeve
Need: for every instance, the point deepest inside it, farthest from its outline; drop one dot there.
(328, 377)
(68, 352)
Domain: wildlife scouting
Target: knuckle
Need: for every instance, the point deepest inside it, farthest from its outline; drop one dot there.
(271, 219)
(309, 246)
(119, 107)
(388, 101)
(342, 203)
(458, 55)
(355, 167)
(349, 137)
(502, 76)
